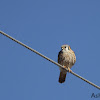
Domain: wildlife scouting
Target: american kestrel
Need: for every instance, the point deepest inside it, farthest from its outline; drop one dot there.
(67, 59)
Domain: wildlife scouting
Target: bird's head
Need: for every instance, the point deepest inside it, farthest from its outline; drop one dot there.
(65, 48)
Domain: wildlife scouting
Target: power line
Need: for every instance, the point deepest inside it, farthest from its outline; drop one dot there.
(48, 59)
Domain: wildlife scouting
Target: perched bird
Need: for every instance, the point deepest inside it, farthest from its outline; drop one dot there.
(67, 59)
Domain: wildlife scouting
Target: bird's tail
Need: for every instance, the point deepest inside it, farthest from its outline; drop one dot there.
(62, 77)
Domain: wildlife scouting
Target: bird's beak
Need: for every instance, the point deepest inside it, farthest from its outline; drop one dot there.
(61, 48)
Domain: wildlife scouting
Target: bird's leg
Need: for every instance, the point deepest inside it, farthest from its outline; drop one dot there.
(69, 70)
(64, 66)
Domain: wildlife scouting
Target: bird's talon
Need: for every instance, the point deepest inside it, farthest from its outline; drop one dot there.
(69, 70)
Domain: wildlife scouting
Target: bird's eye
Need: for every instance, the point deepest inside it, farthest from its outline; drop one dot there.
(65, 47)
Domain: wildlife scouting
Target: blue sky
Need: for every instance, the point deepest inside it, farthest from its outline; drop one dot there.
(45, 25)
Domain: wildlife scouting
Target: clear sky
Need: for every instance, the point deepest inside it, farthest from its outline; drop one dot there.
(45, 25)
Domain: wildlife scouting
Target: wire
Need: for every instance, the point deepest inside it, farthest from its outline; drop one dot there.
(48, 59)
